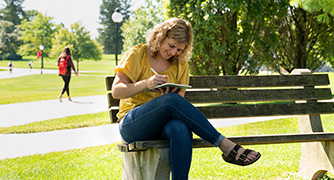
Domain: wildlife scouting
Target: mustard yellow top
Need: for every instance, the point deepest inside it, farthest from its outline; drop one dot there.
(135, 65)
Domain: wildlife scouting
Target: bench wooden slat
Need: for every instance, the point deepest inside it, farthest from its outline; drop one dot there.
(267, 109)
(109, 80)
(249, 95)
(253, 110)
(258, 81)
(112, 115)
(242, 140)
(258, 95)
(251, 81)
(112, 101)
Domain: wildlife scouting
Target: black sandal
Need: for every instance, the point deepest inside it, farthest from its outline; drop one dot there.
(241, 160)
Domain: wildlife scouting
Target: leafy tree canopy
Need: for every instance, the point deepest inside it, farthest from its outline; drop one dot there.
(234, 36)
(8, 41)
(34, 33)
(78, 39)
(134, 30)
(13, 11)
(325, 6)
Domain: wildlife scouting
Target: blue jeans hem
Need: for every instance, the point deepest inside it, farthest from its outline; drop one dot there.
(219, 140)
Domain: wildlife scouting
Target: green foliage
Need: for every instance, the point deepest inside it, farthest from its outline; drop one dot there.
(13, 11)
(78, 39)
(34, 33)
(107, 33)
(232, 37)
(224, 32)
(326, 7)
(10, 15)
(84, 46)
(296, 40)
(9, 41)
(134, 30)
(30, 15)
(63, 37)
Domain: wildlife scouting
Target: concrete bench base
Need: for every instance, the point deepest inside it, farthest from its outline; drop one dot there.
(152, 164)
(317, 157)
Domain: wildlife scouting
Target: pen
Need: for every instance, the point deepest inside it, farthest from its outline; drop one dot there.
(154, 71)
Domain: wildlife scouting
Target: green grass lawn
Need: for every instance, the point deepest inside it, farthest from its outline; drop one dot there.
(48, 86)
(105, 162)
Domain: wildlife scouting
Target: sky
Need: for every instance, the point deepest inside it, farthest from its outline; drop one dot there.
(69, 12)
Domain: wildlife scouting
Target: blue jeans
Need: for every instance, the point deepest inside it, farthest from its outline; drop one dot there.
(170, 117)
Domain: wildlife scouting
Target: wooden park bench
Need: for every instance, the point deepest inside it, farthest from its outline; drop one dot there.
(247, 96)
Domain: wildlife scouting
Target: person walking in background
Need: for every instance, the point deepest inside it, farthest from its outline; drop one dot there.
(10, 65)
(30, 65)
(65, 64)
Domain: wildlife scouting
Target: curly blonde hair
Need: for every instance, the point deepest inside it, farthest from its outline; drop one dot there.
(177, 29)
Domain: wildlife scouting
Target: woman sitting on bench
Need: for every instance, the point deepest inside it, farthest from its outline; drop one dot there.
(165, 114)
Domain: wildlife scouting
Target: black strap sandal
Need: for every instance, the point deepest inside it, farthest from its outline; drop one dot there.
(241, 160)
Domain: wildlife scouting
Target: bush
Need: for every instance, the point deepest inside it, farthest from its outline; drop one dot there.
(10, 56)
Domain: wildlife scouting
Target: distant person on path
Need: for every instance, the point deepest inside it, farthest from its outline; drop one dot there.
(10, 65)
(30, 65)
(65, 61)
(166, 114)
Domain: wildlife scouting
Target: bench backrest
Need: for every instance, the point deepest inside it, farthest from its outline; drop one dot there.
(249, 96)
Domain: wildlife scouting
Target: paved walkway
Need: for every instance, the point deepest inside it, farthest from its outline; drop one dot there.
(17, 145)
(22, 113)
(17, 72)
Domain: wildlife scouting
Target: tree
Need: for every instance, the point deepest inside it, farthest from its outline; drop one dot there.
(234, 36)
(224, 32)
(8, 41)
(30, 15)
(144, 18)
(34, 33)
(298, 40)
(11, 15)
(326, 7)
(78, 39)
(13, 11)
(107, 34)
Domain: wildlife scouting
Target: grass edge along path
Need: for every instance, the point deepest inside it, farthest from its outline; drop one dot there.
(105, 162)
(69, 122)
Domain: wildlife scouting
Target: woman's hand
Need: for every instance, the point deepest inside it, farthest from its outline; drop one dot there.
(157, 80)
(123, 87)
(168, 90)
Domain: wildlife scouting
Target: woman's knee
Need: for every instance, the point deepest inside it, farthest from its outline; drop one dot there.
(171, 98)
